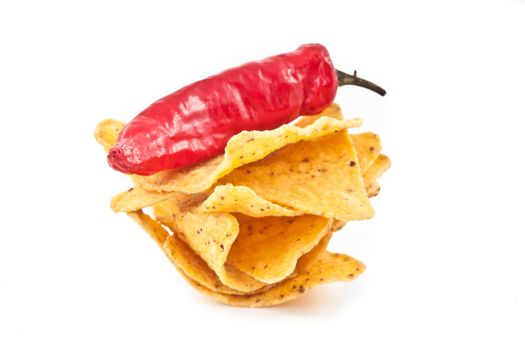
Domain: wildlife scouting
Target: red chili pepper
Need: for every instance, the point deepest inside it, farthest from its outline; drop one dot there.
(195, 123)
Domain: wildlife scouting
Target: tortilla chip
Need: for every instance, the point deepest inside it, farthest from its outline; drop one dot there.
(241, 199)
(106, 132)
(334, 111)
(363, 142)
(328, 267)
(372, 187)
(320, 177)
(181, 255)
(368, 147)
(211, 237)
(268, 248)
(243, 148)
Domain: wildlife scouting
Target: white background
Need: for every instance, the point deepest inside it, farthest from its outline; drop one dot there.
(445, 252)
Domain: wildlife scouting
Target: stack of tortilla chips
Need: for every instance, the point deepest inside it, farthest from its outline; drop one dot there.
(251, 227)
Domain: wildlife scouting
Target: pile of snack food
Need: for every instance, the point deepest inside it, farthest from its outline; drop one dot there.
(251, 227)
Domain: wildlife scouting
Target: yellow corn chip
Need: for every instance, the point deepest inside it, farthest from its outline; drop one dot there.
(211, 237)
(320, 177)
(368, 147)
(268, 248)
(243, 148)
(106, 132)
(241, 199)
(372, 187)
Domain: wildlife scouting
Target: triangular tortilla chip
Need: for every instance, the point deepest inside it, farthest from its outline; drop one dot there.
(368, 147)
(268, 248)
(320, 177)
(211, 237)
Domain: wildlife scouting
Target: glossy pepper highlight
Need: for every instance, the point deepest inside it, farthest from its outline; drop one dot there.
(195, 123)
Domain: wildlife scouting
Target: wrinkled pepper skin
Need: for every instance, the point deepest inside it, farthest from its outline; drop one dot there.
(195, 123)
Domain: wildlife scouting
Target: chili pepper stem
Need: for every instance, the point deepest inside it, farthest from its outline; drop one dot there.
(347, 79)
